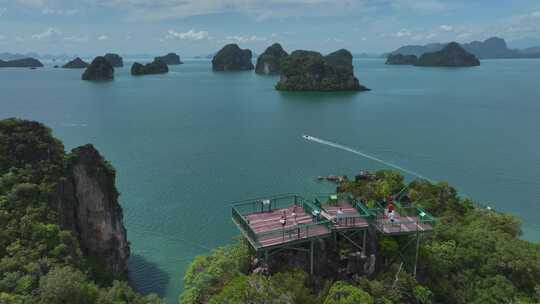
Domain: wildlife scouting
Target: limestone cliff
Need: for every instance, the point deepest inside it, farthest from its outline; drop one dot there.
(270, 61)
(89, 206)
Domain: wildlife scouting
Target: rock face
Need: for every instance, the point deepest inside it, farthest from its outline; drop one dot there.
(155, 67)
(269, 62)
(76, 63)
(310, 71)
(89, 206)
(232, 58)
(170, 59)
(99, 70)
(115, 60)
(21, 63)
(452, 55)
(400, 59)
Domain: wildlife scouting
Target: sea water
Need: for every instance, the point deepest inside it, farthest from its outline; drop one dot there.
(187, 143)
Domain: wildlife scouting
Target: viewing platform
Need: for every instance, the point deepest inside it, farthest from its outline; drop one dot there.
(278, 220)
(343, 211)
(407, 220)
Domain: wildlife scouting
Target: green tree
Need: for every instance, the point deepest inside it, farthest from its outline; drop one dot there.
(344, 293)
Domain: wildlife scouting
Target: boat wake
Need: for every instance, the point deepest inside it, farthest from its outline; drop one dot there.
(345, 148)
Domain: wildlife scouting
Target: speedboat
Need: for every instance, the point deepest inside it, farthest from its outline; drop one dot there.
(307, 137)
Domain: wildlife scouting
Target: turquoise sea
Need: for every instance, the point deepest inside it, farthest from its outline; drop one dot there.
(187, 143)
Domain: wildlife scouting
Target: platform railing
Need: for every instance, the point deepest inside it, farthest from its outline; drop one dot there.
(244, 225)
(267, 203)
(407, 217)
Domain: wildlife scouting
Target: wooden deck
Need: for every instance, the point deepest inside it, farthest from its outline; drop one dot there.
(402, 224)
(270, 232)
(351, 217)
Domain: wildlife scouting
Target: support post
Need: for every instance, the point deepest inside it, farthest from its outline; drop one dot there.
(416, 256)
(311, 257)
(364, 241)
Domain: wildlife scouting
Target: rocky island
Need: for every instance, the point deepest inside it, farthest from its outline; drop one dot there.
(63, 238)
(155, 67)
(21, 63)
(399, 59)
(269, 62)
(310, 71)
(99, 70)
(170, 59)
(452, 55)
(76, 63)
(232, 58)
(115, 60)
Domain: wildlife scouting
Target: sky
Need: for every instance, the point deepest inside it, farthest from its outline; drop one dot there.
(199, 27)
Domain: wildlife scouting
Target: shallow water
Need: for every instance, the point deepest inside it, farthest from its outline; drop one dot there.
(187, 143)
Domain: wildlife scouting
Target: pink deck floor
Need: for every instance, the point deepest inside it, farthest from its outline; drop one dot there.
(402, 224)
(352, 217)
(270, 231)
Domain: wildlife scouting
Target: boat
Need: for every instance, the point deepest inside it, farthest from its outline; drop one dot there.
(307, 137)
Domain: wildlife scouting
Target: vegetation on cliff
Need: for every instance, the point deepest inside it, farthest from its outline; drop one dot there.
(155, 67)
(76, 63)
(21, 63)
(41, 259)
(310, 71)
(170, 59)
(269, 62)
(114, 59)
(399, 59)
(99, 70)
(452, 55)
(232, 58)
(474, 255)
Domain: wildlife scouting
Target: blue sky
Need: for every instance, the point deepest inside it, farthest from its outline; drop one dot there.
(195, 27)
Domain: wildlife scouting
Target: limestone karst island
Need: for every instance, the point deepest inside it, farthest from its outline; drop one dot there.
(269, 152)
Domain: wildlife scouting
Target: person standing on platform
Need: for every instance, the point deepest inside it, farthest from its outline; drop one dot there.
(283, 221)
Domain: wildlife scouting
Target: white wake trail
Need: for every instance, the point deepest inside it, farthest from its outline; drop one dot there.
(345, 148)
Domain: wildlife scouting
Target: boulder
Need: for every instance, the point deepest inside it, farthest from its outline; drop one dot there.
(100, 69)
(399, 59)
(232, 58)
(452, 55)
(21, 63)
(310, 71)
(155, 67)
(76, 63)
(115, 60)
(269, 62)
(170, 59)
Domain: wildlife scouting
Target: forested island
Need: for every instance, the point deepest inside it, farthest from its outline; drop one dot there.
(62, 237)
(474, 255)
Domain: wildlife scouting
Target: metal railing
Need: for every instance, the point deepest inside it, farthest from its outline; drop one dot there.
(297, 232)
(409, 219)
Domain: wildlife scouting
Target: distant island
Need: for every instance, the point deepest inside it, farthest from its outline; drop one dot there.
(21, 63)
(155, 67)
(270, 61)
(170, 59)
(452, 55)
(99, 70)
(232, 58)
(310, 71)
(76, 63)
(114, 59)
(492, 48)
(400, 59)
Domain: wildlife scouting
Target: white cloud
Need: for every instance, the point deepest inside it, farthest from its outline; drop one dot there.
(243, 39)
(192, 35)
(403, 33)
(422, 6)
(59, 12)
(103, 38)
(446, 28)
(3, 11)
(535, 14)
(48, 34)
(77, 39)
